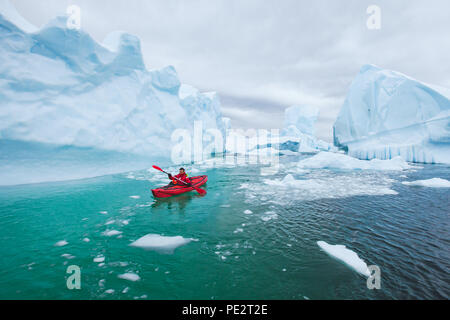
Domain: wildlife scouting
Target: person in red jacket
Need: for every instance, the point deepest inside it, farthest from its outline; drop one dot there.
(180, 176)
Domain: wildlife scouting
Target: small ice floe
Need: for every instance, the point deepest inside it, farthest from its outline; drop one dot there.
(103, 212)
(129, 276)
(67, 256)
(269, 216)
(431, 183)
(101, 264)
(109, 291)
(86, 240)
(225, 206)
(125, 222)
(101, 283)
(110, 233)
(109, 222)
(347, 256)
(99, 258)
(135, 197)
(161, 243)
(284, 270)
(61, 243)
(238, 230)
(125, 290)
(248, 211)
(331, 160)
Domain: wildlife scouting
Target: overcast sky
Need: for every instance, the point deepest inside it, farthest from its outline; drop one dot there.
(263, 56)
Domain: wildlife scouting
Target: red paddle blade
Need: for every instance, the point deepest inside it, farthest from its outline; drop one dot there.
(157, 168)
(200, 191)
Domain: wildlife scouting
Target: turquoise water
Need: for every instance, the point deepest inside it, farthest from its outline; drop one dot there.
(269, 254)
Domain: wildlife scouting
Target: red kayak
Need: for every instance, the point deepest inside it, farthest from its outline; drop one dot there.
(174, 189)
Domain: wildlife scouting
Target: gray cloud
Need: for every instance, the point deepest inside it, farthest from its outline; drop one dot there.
(262, 57)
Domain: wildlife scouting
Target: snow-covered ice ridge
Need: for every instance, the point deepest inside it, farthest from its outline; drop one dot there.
(388, 114)
(59, 86)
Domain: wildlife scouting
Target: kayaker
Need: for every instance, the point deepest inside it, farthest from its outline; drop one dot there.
(180, 176)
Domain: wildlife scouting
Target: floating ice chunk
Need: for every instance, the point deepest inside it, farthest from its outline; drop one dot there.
(109, 291)
(238, 230)
(248, 211)
(103, 212)
(125, 290)
(110, 233)
(61, 243)
(269, 216)
(161, 243)
(431, 183)
(109, 222)
(330, 160)
(67, 256)
(135, 197)
(129, 276)
(349, 257)
(86, 240)
(99, 258)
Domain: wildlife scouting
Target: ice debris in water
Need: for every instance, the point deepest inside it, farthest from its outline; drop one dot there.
(129, 276)
(110, 233)
(99, 258)
(269, 216)
(347, 256)
(431, 183)
(134, 197)
(248, 212)
(61, 243)
(330, 160)
(161, 243)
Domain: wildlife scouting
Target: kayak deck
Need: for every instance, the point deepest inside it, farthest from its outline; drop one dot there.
(179, 188)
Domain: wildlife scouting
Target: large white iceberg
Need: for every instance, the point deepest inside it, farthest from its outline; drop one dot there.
(59, 87)
(388, 114)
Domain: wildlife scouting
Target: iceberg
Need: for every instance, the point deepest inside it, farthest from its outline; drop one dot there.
(59, 87)
(388, 114)
(298, 134)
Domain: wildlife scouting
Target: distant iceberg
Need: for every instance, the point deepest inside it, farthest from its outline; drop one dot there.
(387, 114)
(298, 134)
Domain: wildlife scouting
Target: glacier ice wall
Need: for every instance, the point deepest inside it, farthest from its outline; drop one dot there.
(59, 86)
(388, 114)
